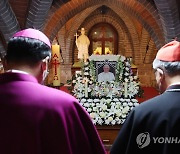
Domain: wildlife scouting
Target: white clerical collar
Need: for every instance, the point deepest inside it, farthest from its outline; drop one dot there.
(17, 71)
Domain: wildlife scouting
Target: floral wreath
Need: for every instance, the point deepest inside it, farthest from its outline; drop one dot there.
(107, 103)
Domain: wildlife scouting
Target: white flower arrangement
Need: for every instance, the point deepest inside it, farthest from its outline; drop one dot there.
(108, 112)
(108, 103)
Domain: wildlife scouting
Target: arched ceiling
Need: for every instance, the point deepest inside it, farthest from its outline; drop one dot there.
(136, 10)
(159, 18)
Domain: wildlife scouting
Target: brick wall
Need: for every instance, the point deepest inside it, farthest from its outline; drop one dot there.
(139, 23)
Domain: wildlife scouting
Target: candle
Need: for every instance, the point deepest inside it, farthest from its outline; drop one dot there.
(86, 87)
(125, 89)
(137, 73)
(56, 64)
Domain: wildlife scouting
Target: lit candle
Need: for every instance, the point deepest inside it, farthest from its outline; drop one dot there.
(56, 64)
(125, 89)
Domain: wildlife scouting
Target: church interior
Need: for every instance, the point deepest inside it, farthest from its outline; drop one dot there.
(136, 29)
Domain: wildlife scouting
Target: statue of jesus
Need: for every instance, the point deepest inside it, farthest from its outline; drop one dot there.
(82, 43)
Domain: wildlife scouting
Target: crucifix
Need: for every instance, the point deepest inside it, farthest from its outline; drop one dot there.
(55, 63)
(76, 36)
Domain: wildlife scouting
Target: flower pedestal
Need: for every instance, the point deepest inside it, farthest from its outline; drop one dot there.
(108, 134)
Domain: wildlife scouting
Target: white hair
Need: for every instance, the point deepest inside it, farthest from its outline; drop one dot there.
(106, 65)
(168, 67)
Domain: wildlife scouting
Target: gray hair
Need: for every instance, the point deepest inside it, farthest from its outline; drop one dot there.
(106, 65)
(171, 68)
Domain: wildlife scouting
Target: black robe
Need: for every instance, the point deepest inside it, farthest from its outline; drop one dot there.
(153, 127)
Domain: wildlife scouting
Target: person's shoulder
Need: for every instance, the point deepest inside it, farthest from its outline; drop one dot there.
(59, 93)
(100, 73)
(152, 105)
(54, 96)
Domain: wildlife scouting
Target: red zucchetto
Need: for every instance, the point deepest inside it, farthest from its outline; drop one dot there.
(169, 52)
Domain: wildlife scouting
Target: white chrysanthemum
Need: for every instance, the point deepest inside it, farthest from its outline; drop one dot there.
(118, 121)
(122, 100)
(104, 107)
(122, 121)
(130, 104)
(86, 104)
(86, 73)
(118, 113)
(102, 114)
(86, 68)
(125, 104)
(83, 100)
(123, 58)
(89, 89)
(86, 63)
(134, 100)
(80, 95)
(126, 80)
(110, 119)
(108, 101)
(106, 122)
(89, 110)
(127, 63)
(92, 115)
(136, 104)
(135, 77)
(118, 103)
(128, 100)
(95, 109)
(127, 68)
(90, 100)
(123, 115)
(113, 122)
(79, 78)
(90, 82)
(115, 99)
(92, 104)
(125, 110)
(126, 74)
(96, 100)
(100, 121)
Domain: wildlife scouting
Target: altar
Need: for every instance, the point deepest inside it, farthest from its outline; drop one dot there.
(107, 102)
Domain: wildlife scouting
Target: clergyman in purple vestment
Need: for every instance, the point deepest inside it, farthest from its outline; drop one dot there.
(35, 119)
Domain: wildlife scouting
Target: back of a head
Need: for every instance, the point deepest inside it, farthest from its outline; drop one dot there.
(168, 58)
(28, 46)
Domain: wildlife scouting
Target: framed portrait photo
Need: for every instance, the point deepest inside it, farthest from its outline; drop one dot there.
(105, 70)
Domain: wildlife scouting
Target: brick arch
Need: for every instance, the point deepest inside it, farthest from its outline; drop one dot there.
(123, 37)
(109, 20)
(168, 10)
(61, 16)
(76, 25)
(119, 27)
(8, 23)
(128, 27)
(125, 25)
(67, 46)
